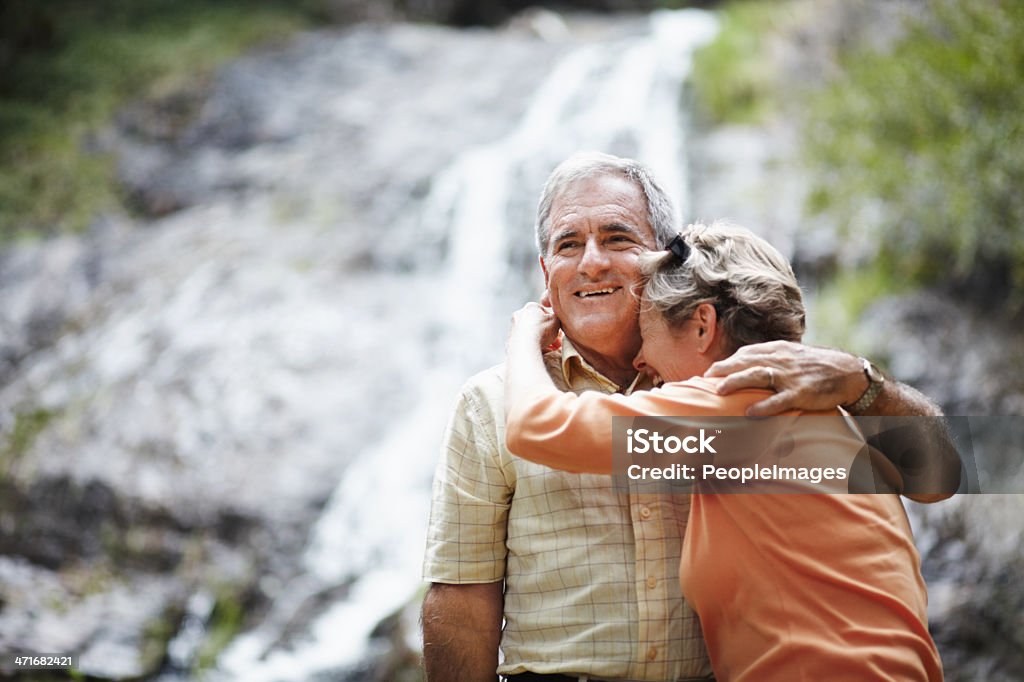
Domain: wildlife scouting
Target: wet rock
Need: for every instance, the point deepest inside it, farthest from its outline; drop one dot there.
(263, 125)
(974, 367)
(973, 561)
(180, 396)
(43, 288)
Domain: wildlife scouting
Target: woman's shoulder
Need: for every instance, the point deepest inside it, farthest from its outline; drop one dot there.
(701, 393)
(709, 385)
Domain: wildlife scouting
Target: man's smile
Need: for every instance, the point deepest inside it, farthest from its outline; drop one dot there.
(597, 292)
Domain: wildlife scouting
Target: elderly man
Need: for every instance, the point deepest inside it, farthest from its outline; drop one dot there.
(585, 577)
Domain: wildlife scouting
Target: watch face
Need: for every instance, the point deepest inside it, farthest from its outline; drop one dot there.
(873, 374)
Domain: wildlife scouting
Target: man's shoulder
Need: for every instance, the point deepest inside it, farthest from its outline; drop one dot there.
(491, 381)
(487, 384)
(482, 396)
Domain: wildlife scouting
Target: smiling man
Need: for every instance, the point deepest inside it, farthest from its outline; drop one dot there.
(598, 227)
(584, 577)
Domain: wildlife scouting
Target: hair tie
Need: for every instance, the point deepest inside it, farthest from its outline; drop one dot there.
(680, 248)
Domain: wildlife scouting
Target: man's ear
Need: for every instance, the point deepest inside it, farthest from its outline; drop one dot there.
(544, 269)
(707, 326)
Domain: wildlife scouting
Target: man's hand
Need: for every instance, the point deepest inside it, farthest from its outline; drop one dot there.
(812, 378)
(803, 377)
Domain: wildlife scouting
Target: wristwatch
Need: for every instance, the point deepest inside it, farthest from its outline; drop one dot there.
(876, 381)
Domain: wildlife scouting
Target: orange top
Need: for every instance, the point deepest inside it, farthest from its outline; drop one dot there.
(787, 586)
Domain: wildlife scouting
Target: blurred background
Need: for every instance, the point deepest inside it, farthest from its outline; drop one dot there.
(249, 250)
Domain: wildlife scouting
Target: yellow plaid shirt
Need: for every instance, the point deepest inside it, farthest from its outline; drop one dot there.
(591, 574)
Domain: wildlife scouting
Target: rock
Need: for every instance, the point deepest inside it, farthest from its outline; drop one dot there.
(974, 367)
(179, 396)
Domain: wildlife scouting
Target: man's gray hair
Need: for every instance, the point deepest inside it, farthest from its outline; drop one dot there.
(751, 285)
(587, 165)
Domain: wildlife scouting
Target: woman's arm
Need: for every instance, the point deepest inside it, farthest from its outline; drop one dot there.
(546, 425)
(534, 327)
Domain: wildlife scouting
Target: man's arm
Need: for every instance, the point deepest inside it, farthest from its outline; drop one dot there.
(461, 632)
(812, 378)
(466, 550)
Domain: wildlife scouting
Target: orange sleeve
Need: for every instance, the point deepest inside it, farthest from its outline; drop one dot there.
(568, 431)
(574, 432)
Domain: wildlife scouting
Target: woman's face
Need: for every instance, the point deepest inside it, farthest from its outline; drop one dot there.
(674, 354)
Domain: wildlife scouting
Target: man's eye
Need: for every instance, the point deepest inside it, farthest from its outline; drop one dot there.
(562, 246)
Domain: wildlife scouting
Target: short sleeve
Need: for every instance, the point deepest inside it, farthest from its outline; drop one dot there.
(471, 498)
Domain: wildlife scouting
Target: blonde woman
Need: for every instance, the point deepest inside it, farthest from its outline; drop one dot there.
(787, 586)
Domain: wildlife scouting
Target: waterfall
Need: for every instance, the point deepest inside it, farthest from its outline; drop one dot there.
(619, 95)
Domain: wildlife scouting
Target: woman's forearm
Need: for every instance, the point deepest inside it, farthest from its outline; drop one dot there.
(525, 373)
(539, 417)
(544, 424)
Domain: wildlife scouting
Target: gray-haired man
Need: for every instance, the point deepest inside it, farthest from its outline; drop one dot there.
(586, 578)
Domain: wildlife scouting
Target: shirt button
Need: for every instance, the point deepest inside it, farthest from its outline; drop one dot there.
(645, 512)
(652, 582)
(652, 653)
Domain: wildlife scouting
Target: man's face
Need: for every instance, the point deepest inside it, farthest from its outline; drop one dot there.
(599, 228)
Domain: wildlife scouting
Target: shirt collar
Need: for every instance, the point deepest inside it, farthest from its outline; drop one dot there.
(576, 370)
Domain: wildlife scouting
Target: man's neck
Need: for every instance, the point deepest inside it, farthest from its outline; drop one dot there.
(618, 370)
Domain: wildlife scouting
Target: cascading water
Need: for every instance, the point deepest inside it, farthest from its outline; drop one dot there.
(620, 95)
(226, 412)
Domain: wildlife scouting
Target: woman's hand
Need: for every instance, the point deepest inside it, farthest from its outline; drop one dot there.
(535, 322)
(534, 328)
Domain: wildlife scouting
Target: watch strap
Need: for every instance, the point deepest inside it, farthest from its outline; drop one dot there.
(876, 381)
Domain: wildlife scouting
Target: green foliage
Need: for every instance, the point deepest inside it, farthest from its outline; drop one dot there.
(66, 65)
(839, 304)
(923, 147)
(225, 622)
(27, 426)
(732, 80)
(156, 635)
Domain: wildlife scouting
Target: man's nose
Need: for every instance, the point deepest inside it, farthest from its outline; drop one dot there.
(594, 260)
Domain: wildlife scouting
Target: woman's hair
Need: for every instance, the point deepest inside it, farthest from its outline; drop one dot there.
(750, 283)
